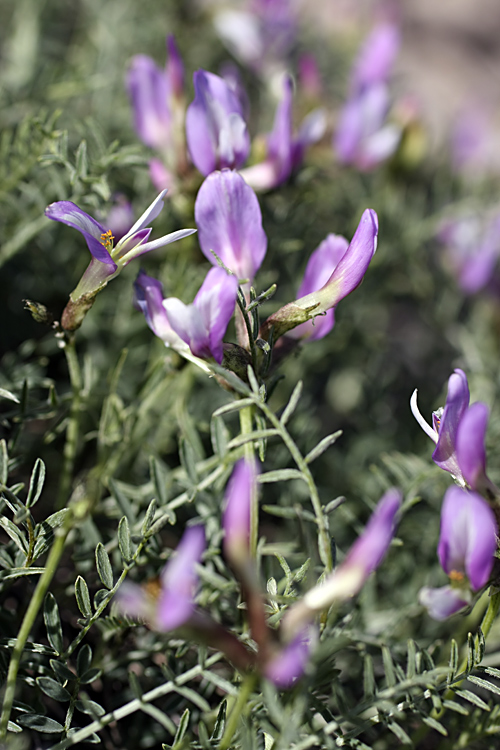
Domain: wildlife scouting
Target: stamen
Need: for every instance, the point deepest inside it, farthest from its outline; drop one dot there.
(153, 588)
(423, 424)
(107, 239)
(456, 576)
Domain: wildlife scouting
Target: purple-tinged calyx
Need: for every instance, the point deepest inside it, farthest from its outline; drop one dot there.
(466, 550)
(346, 581)
(229, 222)
(321, 265)
(202, 324)
(285, 152)
(175, 603)
(216, 131)
(346, 276)
(240, 498)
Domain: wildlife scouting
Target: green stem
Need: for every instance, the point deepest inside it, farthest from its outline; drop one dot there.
(71, 445)
(30, 617)
(246, 426)
(240, 708)
(324, 545)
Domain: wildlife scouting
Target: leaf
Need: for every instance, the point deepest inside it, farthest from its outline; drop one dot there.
(86, 706)
(149, 517)
(484, 684)
(44, 532)
(83, 597)
(53, 622)
(4, 393)
(434, 724)
(100, 597)
(40, 723)
(104, 569)
(4, 462)
(219, 435)
(182, 728)
(89, 676)
(159, 716)
(453, 662)
(220, 722)
(53, 689)
(400, 733)
(457, 707)
(84, 660)
(279, 475)
(61, 671)
(292, 403)
(124, 539)
(411, 665)
(472, 698)
(322, 446)
(15, 534)
(122, 500)
(388, 667)
(37, 480)
(369, 684)
(159, 478)
(233, 406)
(20, 572)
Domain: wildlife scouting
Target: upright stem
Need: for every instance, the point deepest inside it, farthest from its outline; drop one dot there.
(71, 445)
(240, 708)
(30, 617)
(246, 427)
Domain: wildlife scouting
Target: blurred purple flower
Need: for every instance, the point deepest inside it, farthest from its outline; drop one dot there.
(288, 665)
(285, 152)
(347, 275)
(239, 499)
(459, 433)
(229, 222)
(175, 604)
(376, 57)
(472, 249)
(363, 138)
(467, 545)
(202, 324)
(109, 259)
(120, 217)
(365, 555)
(471, 139)
(216, 131)
(321, 265)
(309, 76)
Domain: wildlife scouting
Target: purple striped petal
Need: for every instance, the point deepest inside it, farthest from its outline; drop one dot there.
(68, 213)
(467, 541)
(457, 402)
(319, 269)
(203, 324)
(149, 93)
(216, 132)
(229, 221)
(179, 579)
(470, 447)
(443, 602)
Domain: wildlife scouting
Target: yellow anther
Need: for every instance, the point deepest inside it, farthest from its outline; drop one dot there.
(107, 239)
(455, 575)
(153, 588)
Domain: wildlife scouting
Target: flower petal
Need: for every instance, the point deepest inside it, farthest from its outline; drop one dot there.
(149, 93)
(148, 216)
(240, 495)
(443, 602)
(467, 541)
(69, 213)
(179, 580)
(376, 57)
(279, 141)
(229, 221)
(470, 448)
(288, 666)
(456, 405)
(149, 299)
(146, 247)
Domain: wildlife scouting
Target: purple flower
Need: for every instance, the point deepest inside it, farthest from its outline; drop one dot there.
(319, 269)
(109, 259)
(175, 604)
(467, 545)
(347, 275)
(239, 500)
(229, 222)
(309, 76)
(216, 131)
(376, 57)
(472, 246)
(365, 555)
(149, 93)
(363, 138)
(288, 665)
(285, 152)
(472, 139)
(202, 325)
(459, 433)
(120, 217)
(148, 298)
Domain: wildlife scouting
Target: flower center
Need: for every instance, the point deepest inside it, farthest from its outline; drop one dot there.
(456, 576)
(107, 239)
